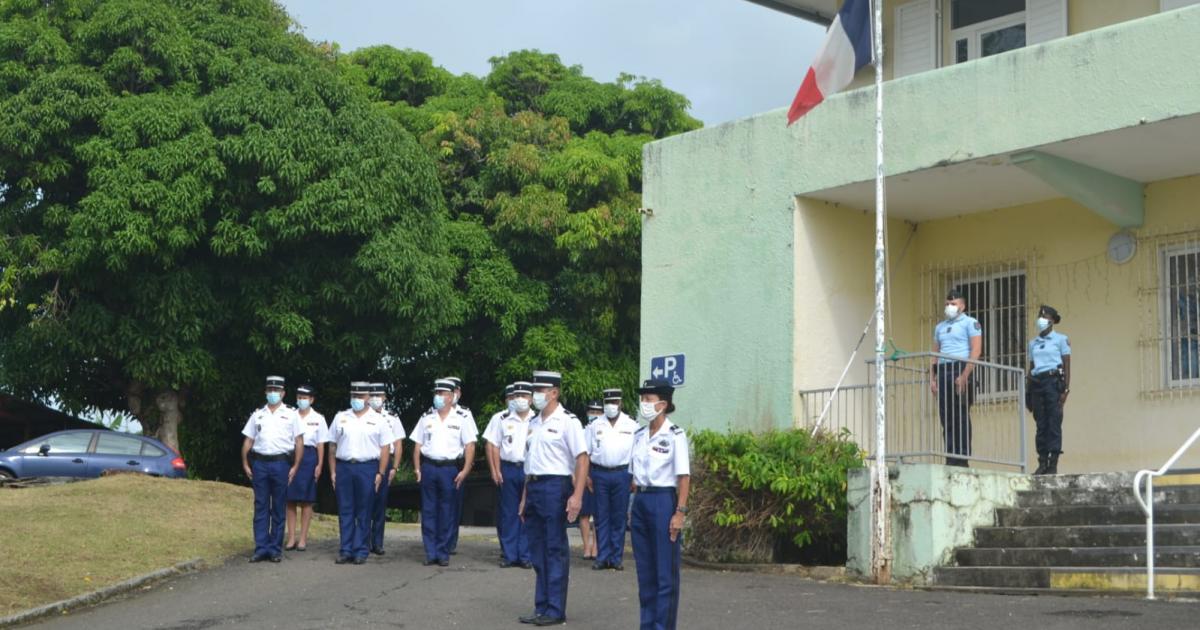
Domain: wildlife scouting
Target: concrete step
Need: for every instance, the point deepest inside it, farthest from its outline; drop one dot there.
(1098, 579)
(1085, 536)
(1089, 481)
(1182, 557)
(1168, 495)
(1068, 515)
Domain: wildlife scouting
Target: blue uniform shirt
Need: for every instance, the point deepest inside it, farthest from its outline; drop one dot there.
(953, 336)
(1046, 352)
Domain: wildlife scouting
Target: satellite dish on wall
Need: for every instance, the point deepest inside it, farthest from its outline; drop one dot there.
(1121, 247)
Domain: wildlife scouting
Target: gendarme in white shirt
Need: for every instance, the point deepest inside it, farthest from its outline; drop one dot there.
(274, 433)
(660, 458)
(360, 437)
(610, 443)
(508, 432)
(316, 431)
(553, 444)
(397, 428)
(445, 439)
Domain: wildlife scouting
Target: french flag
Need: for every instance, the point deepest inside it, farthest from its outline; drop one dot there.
(847, 48)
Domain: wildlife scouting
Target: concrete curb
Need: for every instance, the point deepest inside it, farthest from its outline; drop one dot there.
(827, 574)
(100, 595)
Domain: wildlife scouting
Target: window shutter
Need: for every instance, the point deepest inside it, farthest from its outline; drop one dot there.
(1045, 20)
(916, 38)
(1167, 5)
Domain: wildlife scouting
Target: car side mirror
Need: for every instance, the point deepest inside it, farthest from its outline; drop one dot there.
(44, 450)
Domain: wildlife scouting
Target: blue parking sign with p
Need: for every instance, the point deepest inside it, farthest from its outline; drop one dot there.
(669, 368)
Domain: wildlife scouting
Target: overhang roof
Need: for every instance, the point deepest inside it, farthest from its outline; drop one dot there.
(819, 11)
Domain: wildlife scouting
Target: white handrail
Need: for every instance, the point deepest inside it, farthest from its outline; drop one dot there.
(1147, 503)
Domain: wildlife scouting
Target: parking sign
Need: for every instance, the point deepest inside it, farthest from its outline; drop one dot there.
(669, 367)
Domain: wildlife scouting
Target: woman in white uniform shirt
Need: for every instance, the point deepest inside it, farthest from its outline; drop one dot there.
(660, 467)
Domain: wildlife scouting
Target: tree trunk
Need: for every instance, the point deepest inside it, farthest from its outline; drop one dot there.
(170, 403)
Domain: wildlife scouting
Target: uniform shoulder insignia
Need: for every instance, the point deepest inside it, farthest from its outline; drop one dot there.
(461, 411)
(465, 408)
(640, 429)
(676, 429)
(977, 326)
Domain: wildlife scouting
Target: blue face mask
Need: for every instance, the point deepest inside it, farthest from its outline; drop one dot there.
(273, 398)
(303, 404)
(358, 404)
(439, 401)
(512, 406)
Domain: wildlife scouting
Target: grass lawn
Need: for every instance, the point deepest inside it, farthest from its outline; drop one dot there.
(65, 540)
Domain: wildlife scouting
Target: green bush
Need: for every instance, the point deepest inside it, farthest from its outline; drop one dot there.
(750, 490)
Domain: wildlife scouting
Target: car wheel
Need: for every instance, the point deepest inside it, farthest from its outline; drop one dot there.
(5, 475)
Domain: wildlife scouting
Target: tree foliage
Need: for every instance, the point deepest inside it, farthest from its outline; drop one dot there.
(192, 197)
(540, 168)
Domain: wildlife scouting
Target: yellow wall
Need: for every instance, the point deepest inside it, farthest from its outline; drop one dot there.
(1082, 16)
(1111, 424)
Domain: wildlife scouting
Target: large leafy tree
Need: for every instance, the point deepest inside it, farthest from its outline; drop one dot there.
(540, 166)
(192, 195)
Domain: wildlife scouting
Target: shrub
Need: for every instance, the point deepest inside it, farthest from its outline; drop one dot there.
(752, 490)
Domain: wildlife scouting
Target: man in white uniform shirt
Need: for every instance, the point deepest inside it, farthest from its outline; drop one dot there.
(359, 454)
(271, 455)
(610, 445)
(443, 456)
(395, 456)
(556, 469)
(505, 435)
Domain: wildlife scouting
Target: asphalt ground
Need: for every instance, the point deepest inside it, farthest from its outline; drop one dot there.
(307, 590)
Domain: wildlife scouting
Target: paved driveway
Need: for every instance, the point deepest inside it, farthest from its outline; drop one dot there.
(308, 590)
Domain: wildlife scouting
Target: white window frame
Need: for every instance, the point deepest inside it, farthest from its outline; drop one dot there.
(1166, 308)
(991, 392)
(974, 34)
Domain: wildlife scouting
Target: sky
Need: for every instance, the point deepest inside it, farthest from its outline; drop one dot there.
(731, 58)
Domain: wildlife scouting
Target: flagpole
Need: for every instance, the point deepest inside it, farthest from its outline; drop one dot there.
(881, 548)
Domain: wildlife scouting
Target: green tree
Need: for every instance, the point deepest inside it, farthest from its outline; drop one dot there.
(540, 167)
(193, 196)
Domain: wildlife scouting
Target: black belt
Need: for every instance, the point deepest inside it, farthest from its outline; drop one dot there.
(532, 478)
(1050, 374)
(442, 462)
(610, 468)
(505, 461)
(654, 489)
(282, 457)
(357, 461)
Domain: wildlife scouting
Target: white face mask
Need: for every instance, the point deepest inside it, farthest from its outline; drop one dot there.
(1043, 323)
(376, 402)
(951, 311)
(522, 404)
(647, 411)
(539, 400)
(612, 410)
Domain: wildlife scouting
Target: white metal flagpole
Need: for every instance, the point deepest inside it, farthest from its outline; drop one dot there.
(881, 547)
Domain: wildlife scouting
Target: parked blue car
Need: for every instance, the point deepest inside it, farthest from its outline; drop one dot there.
(88, 453)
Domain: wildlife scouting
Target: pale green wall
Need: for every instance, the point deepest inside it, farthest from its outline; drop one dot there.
(719, 277)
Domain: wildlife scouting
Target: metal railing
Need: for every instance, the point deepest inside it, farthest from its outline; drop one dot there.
(1146, 500)
(984, 424)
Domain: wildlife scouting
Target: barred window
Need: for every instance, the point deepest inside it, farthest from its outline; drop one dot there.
(1179, 292)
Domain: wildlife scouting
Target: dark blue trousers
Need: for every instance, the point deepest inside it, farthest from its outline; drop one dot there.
(657, 559)
(355, 492)
(1047, 413)
(514, 540)
(460, 495)
(612, 506)
(270, 498)
(437, 509)
(549, 550)
(379, 514)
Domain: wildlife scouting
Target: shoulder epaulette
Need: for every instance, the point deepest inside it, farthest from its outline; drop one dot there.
(676, 429)
(640, 429)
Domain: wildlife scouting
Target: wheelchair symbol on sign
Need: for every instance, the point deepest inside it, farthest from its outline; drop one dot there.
(669, 368)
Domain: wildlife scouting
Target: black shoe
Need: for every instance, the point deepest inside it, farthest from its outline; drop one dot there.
(342, 560)
(505, 564)
(599, 566)
(525, 565)
(360, 561)
(257, 558)
(616, 567)
(454, 552)
(429, 563)
(529, 618)
(443, 563)
(378, 551)
(549, 621)
(276, 558)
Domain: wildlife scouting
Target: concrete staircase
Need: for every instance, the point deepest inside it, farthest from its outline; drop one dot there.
(1085, 534)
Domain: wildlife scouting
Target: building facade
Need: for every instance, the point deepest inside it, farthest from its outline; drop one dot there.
(1037, 151)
